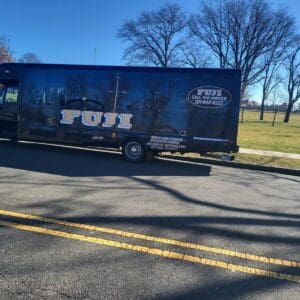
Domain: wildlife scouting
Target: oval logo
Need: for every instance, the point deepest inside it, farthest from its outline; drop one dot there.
(209, 97)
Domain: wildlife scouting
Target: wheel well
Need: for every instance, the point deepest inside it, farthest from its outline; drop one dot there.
(132, 137)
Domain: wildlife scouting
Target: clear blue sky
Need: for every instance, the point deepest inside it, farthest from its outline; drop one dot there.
(67, 31)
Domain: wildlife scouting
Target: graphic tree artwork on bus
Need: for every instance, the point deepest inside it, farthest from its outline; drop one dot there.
(75, 91)
(43, 101)
(84, 93)
(116, 94)
(101, 93)
(158, 96)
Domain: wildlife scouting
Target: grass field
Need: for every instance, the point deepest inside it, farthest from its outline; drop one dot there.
(271, 161)
(252, 159)
(255, 134)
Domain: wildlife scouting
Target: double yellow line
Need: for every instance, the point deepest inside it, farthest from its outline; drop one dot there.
(155, 251)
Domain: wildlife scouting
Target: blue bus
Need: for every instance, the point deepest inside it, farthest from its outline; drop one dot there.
(141, 110)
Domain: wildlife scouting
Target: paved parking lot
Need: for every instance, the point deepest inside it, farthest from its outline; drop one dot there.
(85, 224)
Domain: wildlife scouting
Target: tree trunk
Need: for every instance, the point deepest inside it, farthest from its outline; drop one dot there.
(243, 90)
(288, 112)
(262, 107)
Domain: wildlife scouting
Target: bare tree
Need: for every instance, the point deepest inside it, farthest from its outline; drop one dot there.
(270, 81)
(193, 54)
(272, 60)
(29, 58)
(293, 78)
(5, 51)
(155, 37)
(240, 32)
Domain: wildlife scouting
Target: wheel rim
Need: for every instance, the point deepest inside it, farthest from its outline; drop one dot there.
(133, 150)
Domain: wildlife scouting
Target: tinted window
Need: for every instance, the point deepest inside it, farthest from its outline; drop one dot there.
(68, 88)
(40, 89)
(8, 94)
(11, 95)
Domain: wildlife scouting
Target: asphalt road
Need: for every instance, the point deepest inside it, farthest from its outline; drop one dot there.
(169, 229)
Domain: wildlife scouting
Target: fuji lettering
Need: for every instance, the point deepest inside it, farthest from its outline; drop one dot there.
(209, 97)
(96, 118)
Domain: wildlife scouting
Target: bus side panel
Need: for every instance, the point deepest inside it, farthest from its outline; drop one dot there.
(195, 108)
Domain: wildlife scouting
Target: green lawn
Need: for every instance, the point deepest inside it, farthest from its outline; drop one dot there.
(255, 134)
(261, 160)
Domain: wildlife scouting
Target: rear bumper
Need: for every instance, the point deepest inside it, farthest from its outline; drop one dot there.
(213, 145)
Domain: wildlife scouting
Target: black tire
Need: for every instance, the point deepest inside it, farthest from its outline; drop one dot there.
(134, 150)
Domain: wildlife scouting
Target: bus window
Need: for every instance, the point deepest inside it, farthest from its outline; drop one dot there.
(11, 95)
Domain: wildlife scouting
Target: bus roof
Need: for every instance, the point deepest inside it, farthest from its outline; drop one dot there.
(112, 68)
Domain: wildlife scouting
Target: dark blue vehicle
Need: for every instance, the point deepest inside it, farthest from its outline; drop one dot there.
(142, 110)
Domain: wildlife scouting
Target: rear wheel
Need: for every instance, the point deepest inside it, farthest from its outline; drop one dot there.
(134, 150)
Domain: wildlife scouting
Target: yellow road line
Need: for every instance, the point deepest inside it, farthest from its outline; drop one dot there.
(155, 251)
(247, 256)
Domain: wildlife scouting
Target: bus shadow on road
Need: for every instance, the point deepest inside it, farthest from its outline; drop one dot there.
(85, 162)
(216, 219)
